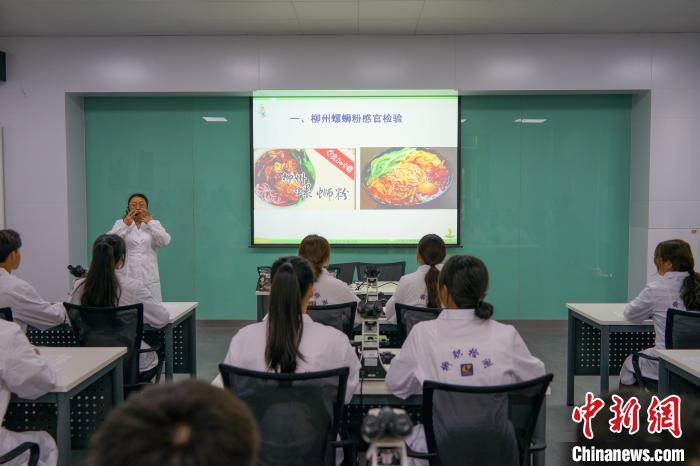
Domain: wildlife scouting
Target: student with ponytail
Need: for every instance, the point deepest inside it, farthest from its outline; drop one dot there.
(420, 287)
(678, 287)
(288, 341)
(463, 346)
(104, 287)
(327, 288)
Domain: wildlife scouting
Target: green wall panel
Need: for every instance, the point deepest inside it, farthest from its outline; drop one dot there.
(545, 205)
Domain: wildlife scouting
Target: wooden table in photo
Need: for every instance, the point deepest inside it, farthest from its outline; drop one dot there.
(77, 369)
(684, 364)
(599, 340)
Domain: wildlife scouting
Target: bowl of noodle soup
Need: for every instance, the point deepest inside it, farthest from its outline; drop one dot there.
(406, 176)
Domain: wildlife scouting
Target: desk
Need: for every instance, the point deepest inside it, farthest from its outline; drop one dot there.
(684, 364)
(372, 393)
(263, 297)
(78, 369)
(179, 339)
(599, 340)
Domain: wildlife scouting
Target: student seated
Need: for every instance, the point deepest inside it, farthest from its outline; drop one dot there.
(188, 423)
(25, 373)
(288, 341)
(678, 287)
(420, 287)
(327, 288)
(28, 308)
(463, 346)
(104, 287)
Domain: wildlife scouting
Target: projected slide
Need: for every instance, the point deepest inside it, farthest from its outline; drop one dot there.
(356, 167)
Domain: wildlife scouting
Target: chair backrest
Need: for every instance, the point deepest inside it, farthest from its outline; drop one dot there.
(345, 271)
(408, 316)
(6, 313)
(338, 316)
(110, 326)
(682, 329)
(390, 271)
(468, 426)
(298, 414)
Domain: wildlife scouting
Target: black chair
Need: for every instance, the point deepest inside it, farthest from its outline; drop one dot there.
(30, 447)
(299, 415)
(116, 326)
(345, 271)
(388, 272)
(682, 332)
(6, 313)
(408, 316)
(475, 426)
(338, 316)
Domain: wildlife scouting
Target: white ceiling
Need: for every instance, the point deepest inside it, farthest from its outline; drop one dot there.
(229, 17)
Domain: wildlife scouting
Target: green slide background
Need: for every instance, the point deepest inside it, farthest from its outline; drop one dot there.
(546, 206)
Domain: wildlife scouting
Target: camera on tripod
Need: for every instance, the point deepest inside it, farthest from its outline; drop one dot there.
(386, 430)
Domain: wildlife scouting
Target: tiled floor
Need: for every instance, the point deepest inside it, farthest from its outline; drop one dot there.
(547, 341)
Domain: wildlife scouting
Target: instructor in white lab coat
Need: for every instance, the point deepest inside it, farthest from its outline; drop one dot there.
(142, 235)
(25, 373)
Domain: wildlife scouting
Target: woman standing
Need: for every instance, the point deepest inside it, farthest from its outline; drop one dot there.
(142, 235)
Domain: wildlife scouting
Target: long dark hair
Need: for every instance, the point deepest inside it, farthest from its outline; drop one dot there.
(316, 250)
(291, 279)
(678, 252)
(467, 281)
(431, 249)
(101, 287)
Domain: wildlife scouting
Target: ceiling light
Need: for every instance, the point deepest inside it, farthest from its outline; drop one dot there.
(215, 119)
(530, 120)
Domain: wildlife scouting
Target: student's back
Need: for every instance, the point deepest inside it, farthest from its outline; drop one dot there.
(288, 341)
(420, 287)
(462, 349)
(328, 289)
(462, 346)
(28, 375)
(103, 287)
(678, 287)
(323, 348)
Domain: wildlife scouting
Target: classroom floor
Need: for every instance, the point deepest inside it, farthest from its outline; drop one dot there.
(546, 340)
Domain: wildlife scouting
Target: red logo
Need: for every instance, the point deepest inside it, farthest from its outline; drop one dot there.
(665, 415)
(587, 412)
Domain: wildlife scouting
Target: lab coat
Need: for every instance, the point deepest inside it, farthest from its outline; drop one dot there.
(28, 308)
(461, 349)
(323, 348)
(135, 292)
(329, 290)
(653, 302)
(411, 290)
(141, 258)
(27, 375)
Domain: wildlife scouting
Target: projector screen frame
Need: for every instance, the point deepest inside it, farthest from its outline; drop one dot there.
(251, 165)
